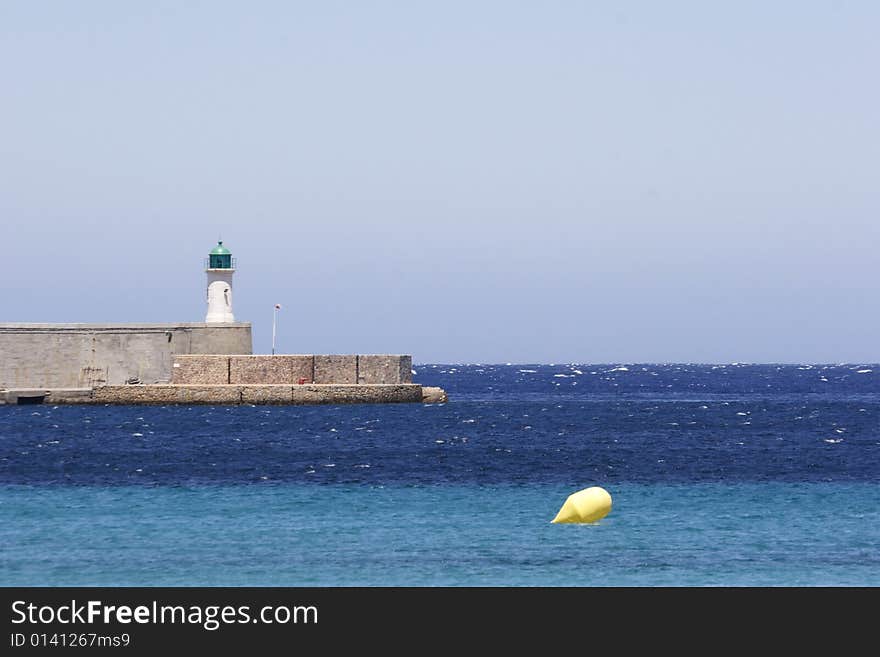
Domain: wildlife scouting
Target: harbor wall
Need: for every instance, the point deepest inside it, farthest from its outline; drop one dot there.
(93, 355)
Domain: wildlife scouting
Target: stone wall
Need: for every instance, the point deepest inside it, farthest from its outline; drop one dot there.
(91, 355)
(271, 369)
(292, 369)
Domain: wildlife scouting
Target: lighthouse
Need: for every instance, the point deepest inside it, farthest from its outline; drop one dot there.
(220, 268)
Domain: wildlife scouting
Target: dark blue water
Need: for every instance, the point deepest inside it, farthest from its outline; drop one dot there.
(504, 425)
(736, 474)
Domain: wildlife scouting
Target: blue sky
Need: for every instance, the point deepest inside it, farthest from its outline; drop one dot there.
(463, 181)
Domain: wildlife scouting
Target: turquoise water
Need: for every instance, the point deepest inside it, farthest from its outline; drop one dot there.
(737, 534)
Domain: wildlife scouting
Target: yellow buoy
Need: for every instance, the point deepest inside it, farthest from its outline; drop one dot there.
(587, 505)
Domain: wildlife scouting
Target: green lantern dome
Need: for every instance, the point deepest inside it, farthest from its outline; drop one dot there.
(220, 257)
(220, 249)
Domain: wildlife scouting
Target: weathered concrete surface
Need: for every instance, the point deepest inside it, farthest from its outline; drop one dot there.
(271, 369)
(23, 395)
(336, 369)
(258, 394)
(91, 355)
(374, 368)
(200, 370)
(48, 396)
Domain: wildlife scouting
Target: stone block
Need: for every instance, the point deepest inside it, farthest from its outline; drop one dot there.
(302, 368)
(270, 370)
(200, 370)
(384, 369)
(335, 369)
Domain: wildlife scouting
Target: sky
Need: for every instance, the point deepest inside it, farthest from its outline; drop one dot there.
(467, 182)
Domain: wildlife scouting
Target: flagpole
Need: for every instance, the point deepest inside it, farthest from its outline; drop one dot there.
(274, 315)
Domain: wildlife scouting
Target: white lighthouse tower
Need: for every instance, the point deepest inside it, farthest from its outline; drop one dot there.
(220, 268)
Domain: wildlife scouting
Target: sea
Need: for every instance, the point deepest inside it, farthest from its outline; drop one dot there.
(720, 475)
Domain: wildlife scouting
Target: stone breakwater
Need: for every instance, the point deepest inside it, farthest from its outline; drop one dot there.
(231, 394)
(260, 394)
(225, 379)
